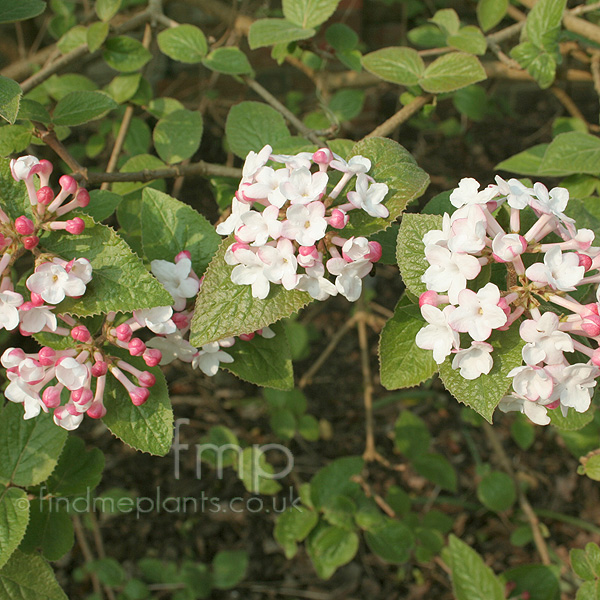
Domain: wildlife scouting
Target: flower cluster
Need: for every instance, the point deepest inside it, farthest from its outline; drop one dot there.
(293, 240)
(473, 237)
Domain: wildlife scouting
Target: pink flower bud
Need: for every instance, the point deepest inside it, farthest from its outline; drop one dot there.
(71, 409)
(136, 347)
(323, 156)
(376, 252)
(75, 226)
(51, 396)
(82, 197)
(82, 395)
(96, 410)
(308, 251)
(591, 325)
(430, 297)
(46, 356)
(81, 334)
(338, 218)
(503, 304)
(246, 337)
(99, 368)
(146, 379)
(183, 254)
(45, 195)
(26, 306)
(139, 395)
(584, 261)
(24, 226)
(593, 307)
(553, 405)
(45, 168)
(596, 357)
(36, 299)
(181, 320)
(67, 183)
(30, 242)
(123, 332)
(152, 357)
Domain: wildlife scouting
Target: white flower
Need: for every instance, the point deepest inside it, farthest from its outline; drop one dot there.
(63, 418)
(356, 165)
(551, 203)
(82, 269)
(38, 318)
(71, 373)
(349, 276)
(12, 357)
(478, 313)
(257, 227)
(157, 319)
(254, 162)
(53, 283)
(544, 341)
(355, 248)
(173, 346)
(234, 220)
(468, 192)
(532, 383)
(517, 195)
(209, 357)
(306, 224)
(21, 167)
(468, 233)
(302, 160)
(304, 187)
(250, 271)
(474, 361)
(30, 371)
(574, 385)
(449, 271)
(176, 279)
(536, 413)
(559, 271)
(21, 392)
(280, 263)
(267, 186)
(314, 282)
(507, 247)
(438, 335)
(439, 237)
(9, 313)
(369, 197)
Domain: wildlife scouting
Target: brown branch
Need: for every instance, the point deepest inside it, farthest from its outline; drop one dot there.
(50, 139)
(87, 553)
(405, 113)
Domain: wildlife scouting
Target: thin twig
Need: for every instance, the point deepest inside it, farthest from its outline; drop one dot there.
(405, 113)
(100, 549)
(87, 553)
(369, 493)
(571, 107)
(370, 452)
(50, 139)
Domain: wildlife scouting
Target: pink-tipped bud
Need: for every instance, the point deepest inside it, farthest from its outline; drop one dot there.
(430, 297)
(591, 325)
(36, 299)
(75, 226)
(123, 332)
(99, 368)
(136, 347)
(51, 397)
(139, 395)
(181, 321)
(146, 379)
(239, 246)
(592, 307)
(81, 334)
(584, 261)
(596, 357)
(183, 254)
(24, 226)
(67, 183)
(45, 167)
(82, 395)
(338, 218)
(72, 409)
(308, 251)
(45, 195)
(26, 306)
(492, 206)
(30, 242)
(152, 357)
(246, 337)
(553, 405)
(503, 304)
(96, 410)
(323, 156)
(375, 253)
(46, 356)
(82, 197)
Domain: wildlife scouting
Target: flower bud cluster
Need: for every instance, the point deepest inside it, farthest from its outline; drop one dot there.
(295, 239)
(473, 237)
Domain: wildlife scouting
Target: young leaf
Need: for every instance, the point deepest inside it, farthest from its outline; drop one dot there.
(309, 13)
(393, 165)
(451, 72)
(125, 54)
(29, 448)
(392, 541)
(170, 226)
(268, 32)
(107, 9)
(29, 577)
(185, 43)
(252, 125)
(293, 526)
(224, 308)
(33, 111)
(10, 97)
(491, 12)
(177, 136)
(544, 19)
(229, 60)
(330, 547)
(114, 265)
(403, 364)
(81, 107)
(123, 87)
(468, 39)
(14, 516)
(396, 65)
(11, 11)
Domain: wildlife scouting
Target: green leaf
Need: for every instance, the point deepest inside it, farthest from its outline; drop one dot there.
(411, 435)
(107, 9)
(308, 428)
(74, 38)
(102, 204)
(484, 393)
(185, 43)
(96, 34)
(229, 568)
(572, 152)
(114, 265)
(539, 581)
(447, 19)
(81, 107)
(59, 87)
(123, 87)
(335, 479)
(410, 250)
(161, 107)
(491, 12)
(582, 565)
(33, 111)
(451, 72)
(137, 163)
(468, 39)
(29, 577)
(262, 361)
(14, 139)
(523, 432)
(170, 226)
(29, 448)
(257, 475)
(590, 590)
(225, 309)
(403, 364)
(397, 65)
(527, 162)
(229, 60)
(268, 32)
(393, 165)
(309, 13)
(283, 423)
(543, 19)
(472, 579)
(50, 530)
(15, 200)
(590, 466)
(437, 469)
(293, 526)
(330, 547)
(392, 542)
(573, 421)
(10, 97)
(149, 427)
(341, 37)
(347, 104)
(252, 125)
(177, 136)
(14, 516)
(11, 11)
(497, 491)
(125, 54)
